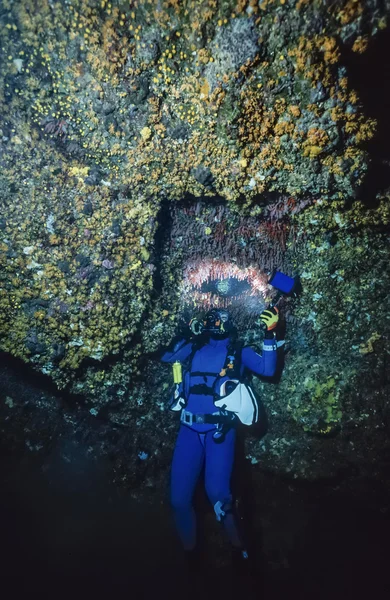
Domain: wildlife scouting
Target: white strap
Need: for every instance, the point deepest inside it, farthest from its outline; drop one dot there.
(269, 348)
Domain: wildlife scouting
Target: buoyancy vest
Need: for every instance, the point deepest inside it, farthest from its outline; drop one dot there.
(232, 369)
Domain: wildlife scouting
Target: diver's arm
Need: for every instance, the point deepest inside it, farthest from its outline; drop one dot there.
(180, 351)
(182, 345)
(261, 364)
(265, 363)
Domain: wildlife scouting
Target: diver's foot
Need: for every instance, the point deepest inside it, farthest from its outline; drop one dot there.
(241, 561)
(194, 574)
(245, 579)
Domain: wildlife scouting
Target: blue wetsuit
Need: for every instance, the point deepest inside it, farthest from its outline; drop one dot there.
(195, 445)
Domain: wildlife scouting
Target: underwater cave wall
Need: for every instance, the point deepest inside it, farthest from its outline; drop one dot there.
(137, 144)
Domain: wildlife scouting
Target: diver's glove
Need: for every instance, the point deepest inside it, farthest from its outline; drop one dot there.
(269, 319)
(196, 326)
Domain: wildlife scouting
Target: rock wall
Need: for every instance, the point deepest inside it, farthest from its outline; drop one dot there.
(140, 142)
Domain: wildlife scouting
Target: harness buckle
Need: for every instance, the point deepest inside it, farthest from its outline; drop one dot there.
(187, 417)
(190, 418)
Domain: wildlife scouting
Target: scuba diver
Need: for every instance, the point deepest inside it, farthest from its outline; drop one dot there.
(213, 400)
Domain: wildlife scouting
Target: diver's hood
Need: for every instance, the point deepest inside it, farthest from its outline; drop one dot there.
(238, 398)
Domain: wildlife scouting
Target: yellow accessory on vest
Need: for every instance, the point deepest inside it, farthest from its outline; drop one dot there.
(177, 372)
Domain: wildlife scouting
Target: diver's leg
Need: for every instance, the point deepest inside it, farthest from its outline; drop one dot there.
(187, 464)
(219, 466)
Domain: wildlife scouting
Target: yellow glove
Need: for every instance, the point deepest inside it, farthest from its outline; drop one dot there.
(270, 318)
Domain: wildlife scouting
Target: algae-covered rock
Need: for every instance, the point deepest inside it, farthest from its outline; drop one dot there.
(156, 158)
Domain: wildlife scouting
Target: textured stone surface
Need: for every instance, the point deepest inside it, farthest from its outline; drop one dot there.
(137, 144)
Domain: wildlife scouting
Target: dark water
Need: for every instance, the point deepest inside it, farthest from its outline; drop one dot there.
(67, 532)
(369, 75)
